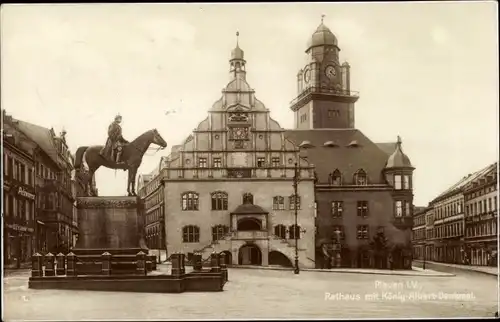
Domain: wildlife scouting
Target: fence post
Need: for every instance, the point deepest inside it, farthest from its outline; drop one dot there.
(37, 265)
(223, 266)
(141, 263)
(214, 262)
(60, 264)
(176, 264)
(49, 265)
(152, 259)
(197, 264)
(70, 262)
(106, 263)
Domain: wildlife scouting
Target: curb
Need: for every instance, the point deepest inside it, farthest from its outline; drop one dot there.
(459, 268)
(389, 273)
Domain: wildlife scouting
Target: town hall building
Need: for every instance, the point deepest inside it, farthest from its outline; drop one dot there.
(229, 186)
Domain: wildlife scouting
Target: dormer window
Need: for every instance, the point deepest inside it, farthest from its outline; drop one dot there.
(330, 144)
(360, 178)
(335, 178)
(353, 144)
(306, 144)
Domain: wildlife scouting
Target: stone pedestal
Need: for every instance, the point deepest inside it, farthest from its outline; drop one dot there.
(109, 224)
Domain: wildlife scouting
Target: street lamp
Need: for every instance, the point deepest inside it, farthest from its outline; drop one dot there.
(295, 201)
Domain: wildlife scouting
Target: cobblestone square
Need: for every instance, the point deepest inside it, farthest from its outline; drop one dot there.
(268, 294)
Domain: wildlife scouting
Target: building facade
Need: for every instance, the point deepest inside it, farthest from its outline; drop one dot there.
(55, 221)
(364, 190)
(419, 232)
(455, 230)
(151, 189)
(18, 195)
(481, 218)
(229, 186)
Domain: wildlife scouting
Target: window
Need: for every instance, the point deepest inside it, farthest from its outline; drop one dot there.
(291, 201)
(399, 208)
(278, 203)
(261, 162)
(360, 178)
(280, 231)
(407, 182)
(202, 162)
(362, 232)
(338, 231)
(495, 203)
(363, 208)
(219, 201)
(407, 208)
(337, 208)
(398, 182)
(276, 162)
(480, 205)
(303, 118)
(336, 178)
(294, 232)
(219, 231)
(217, 163)
(10, 163)
(333, 113)
(190, 201)
(190, 234)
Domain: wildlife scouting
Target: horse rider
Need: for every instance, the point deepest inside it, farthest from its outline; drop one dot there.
(114, 144)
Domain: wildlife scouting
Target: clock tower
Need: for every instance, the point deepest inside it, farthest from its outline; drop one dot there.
(324, 99)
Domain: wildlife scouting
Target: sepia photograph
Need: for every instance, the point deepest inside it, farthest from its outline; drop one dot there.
(223, 161)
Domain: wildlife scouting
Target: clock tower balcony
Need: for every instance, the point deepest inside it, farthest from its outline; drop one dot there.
(322, 93)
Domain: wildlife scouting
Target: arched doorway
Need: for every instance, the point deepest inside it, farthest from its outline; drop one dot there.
(249, 224)
(249, 254)
(278, 258)
(228, 257)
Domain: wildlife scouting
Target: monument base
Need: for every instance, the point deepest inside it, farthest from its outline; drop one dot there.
(112, 225)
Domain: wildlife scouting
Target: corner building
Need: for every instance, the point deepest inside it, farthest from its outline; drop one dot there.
(364, 189)
(228, 186)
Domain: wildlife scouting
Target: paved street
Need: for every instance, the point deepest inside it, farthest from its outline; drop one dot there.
(265, 294)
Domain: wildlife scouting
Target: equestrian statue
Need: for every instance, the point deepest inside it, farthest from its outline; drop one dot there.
(118, 153)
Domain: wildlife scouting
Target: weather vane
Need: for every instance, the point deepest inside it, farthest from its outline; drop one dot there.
(237, 37)
(322, 17)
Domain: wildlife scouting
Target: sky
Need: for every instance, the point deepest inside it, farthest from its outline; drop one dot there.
(425, 71)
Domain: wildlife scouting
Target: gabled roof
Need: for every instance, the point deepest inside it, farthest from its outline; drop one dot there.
(491, 169)
(347, 159)
(464, 181)
(41, 136)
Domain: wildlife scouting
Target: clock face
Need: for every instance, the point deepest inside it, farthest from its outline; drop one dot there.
(307, 75)
(330, 71)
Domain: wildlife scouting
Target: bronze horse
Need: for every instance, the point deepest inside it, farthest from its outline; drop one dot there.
(131, 156)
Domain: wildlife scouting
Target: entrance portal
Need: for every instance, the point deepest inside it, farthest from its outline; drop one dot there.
(250, 255)
(249, 224)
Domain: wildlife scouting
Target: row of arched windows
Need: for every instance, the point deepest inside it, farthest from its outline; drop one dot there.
(191, 200)
(359, 178)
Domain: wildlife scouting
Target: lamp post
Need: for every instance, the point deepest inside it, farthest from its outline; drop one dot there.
(295, 191)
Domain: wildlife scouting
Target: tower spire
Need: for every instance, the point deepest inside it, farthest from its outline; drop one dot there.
(322, 18)
(237, 38)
